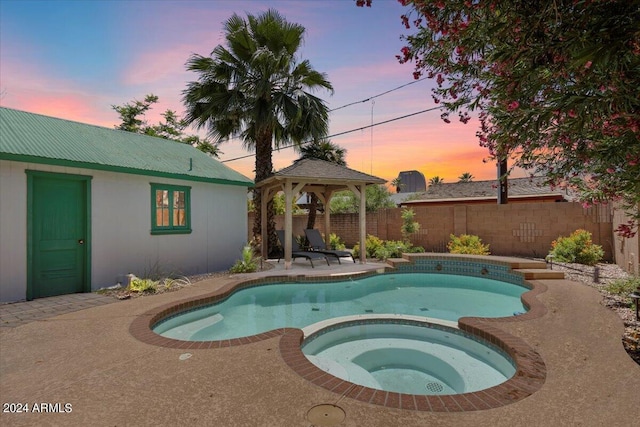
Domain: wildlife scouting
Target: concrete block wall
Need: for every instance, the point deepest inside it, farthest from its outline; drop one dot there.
(626, 250)
(519, 229)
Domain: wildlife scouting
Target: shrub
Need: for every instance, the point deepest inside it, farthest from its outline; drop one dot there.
(467, 244)
(247, 264)
(335, 242)
(624, 287)
(409, 226)
(383, 249)
(373, 243)
(576, 248)
(142, 285)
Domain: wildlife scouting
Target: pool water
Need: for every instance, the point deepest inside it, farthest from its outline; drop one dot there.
(407, 358)
(263, 308)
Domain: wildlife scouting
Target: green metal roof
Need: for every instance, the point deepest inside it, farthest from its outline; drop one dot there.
(28, 137)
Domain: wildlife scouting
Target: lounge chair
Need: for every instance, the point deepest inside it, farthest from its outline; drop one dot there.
(297, 252)
(317, 244)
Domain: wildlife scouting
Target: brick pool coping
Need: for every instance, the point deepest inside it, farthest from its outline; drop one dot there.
(529, 377)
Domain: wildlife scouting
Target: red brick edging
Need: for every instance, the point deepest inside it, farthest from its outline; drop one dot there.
(529, 377)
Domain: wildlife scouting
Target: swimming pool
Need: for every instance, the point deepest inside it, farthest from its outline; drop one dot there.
(405, 356)
(263, 308)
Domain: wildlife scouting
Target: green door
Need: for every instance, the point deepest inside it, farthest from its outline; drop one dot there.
(58, 235)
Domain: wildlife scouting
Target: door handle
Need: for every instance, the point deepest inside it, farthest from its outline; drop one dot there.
(81, 241)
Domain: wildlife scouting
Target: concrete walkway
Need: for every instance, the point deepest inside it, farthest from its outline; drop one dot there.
(87, 368)
(19, 313)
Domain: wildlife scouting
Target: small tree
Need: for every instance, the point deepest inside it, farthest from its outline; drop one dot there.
(132, 120)
(409, 226)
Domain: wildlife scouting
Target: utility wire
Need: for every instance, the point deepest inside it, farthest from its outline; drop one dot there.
(344, 132)
(371, 98)
(378, 95)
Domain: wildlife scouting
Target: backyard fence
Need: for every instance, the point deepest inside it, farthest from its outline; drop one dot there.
(518, 229)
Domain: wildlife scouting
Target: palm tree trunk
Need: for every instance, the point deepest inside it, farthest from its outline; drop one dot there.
(264, 169)
(313, 208)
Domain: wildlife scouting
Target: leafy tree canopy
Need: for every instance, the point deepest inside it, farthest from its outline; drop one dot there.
(132, 120)
(556, 83)
(378, 197)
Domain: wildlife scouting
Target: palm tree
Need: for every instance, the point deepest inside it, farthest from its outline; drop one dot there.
(397, 183)
(322, 150)
(435, 181)
(255, 88)
(465, 177)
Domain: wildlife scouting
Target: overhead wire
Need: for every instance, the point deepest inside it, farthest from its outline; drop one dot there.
(371, 98)
(344, 132)
(378, 95)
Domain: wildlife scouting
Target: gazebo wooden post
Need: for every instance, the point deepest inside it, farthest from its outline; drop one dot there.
(361, 193)
(327, 217)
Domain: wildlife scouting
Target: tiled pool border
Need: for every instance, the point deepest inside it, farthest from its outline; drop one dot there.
(530, 368)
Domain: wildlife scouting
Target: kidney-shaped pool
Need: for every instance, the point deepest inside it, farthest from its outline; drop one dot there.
(262, 308)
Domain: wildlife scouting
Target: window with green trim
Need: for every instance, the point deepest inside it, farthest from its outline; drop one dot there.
(170, 209)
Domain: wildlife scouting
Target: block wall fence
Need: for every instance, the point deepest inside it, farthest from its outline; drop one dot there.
(626, 250)
(518, 229)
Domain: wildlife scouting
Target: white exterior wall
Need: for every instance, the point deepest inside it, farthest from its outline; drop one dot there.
(121, 240)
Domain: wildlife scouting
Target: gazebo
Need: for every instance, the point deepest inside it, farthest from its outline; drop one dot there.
(313, 176)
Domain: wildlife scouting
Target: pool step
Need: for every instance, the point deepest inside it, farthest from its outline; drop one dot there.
(528, 265)
(539, 274)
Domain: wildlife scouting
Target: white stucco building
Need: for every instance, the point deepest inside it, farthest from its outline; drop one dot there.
(82, 206)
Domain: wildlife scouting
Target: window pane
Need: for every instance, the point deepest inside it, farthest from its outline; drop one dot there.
(162, 198)
(178, 199)
(162, 208)
(179, 217)
(162, 217)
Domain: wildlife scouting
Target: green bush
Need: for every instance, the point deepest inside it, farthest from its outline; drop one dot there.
(576, 248)
(467, 244)
(409, 226)
(373, 244)
(335, 242)
(247, 264)
(383, 249)
(624, 287)
(142, 285)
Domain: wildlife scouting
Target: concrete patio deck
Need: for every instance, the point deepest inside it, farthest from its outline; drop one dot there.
(89, 360)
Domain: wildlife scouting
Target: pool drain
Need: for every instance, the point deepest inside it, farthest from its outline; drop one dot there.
(326, 415)
(435, 387)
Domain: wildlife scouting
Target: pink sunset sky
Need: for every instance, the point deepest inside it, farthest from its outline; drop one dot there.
(75, 59)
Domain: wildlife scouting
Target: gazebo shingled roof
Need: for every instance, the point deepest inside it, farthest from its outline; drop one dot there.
(322, 178)
(321, 171)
